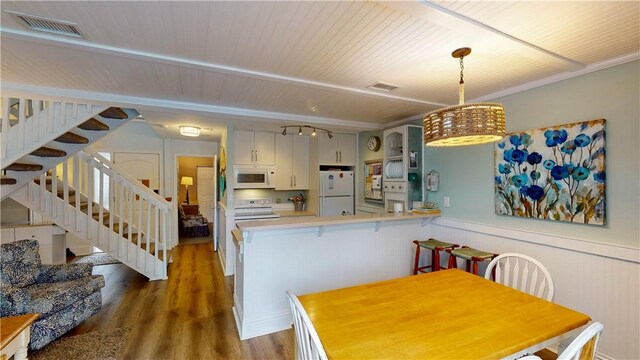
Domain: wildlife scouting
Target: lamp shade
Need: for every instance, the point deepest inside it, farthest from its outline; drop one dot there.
(190, 131)
(186, 180)
(465, 124)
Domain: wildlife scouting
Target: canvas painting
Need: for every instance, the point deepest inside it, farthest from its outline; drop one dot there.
(556, 173)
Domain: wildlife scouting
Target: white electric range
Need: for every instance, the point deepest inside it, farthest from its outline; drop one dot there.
(253, 209)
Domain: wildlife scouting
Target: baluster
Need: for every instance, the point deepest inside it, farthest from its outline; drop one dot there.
(90, 184)
(139, 225)
(43, 188)
(35, 120)
(148, 233)
(156, 226)
(121, 213)
(76, 185)
(5, 125)
(101, 204)
(21, 123)
(130, 211)
(163, 243)
(54, 192)
(65, 185)
(112, 210)
(49, 115)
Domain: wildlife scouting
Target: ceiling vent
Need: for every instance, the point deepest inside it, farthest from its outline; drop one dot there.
(383, 86)
(39, 23)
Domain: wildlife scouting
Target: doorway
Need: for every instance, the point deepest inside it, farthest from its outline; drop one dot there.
(197, 171)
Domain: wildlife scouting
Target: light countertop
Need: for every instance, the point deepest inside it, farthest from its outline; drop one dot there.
(300, 222)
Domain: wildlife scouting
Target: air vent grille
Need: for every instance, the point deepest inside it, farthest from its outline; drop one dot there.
(49, 25)
(383, 86)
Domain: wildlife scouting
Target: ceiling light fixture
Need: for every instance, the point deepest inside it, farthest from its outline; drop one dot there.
(300, 131)
(192, 131)
(464, 124)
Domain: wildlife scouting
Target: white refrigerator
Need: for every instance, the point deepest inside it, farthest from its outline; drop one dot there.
(336, 193)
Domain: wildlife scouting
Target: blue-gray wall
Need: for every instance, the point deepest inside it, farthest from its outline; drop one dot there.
(466, 173)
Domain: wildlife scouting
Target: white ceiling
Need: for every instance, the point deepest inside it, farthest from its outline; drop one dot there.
(266, 64)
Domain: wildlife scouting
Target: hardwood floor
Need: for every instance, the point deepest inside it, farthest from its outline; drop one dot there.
(188, 316)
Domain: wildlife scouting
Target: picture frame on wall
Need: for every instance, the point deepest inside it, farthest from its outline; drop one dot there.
(556, 173)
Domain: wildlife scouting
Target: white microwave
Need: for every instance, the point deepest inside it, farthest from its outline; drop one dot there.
(252, 177)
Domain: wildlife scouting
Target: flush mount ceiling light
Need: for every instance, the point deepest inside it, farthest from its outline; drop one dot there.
(192, 131)
(300, 132)
(464, 124)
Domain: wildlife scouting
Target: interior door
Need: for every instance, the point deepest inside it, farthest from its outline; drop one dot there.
(206, 191)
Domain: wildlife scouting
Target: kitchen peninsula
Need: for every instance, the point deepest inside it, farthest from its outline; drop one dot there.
(311, 254)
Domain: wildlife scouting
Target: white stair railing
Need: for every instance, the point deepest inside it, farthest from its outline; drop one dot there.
(27, 123)
(98, 201)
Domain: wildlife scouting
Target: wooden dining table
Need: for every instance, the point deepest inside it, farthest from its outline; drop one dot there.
(448, 314)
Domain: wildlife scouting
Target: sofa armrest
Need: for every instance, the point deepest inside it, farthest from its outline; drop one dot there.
(13, 300)
(63, 272)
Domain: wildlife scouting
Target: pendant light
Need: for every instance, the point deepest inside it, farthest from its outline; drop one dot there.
(464, 124)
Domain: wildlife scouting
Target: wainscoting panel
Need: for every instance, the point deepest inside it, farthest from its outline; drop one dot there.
(597, 279)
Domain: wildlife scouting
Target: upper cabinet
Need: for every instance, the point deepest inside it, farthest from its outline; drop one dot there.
(339, 150)
(292, 162)
(254, 148)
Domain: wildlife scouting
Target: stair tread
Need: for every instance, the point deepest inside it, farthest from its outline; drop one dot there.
(4, 180)
(48, 152)
(93, 125)
(114, 113)
(24, 167)
(71, 138)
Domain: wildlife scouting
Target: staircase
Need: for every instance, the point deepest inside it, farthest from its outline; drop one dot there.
(78, 189)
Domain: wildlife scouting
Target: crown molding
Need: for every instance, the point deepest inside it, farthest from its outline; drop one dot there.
(84, 45)
(237, 114)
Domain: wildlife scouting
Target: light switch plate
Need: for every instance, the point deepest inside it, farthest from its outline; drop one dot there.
(446, 201)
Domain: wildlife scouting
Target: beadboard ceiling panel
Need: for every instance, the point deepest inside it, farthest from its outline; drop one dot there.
(311, 61)
(585, 31)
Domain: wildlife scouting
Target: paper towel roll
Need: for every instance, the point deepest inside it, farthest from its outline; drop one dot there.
(397, 207)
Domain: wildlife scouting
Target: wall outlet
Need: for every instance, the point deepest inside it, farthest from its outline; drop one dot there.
(446, 201)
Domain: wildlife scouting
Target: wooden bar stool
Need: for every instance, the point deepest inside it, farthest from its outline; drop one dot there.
(436, 247)
(472, 256)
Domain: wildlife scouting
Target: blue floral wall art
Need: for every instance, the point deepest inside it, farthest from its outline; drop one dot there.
(556, 173)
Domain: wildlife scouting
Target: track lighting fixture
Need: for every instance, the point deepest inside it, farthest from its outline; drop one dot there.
(300, 132)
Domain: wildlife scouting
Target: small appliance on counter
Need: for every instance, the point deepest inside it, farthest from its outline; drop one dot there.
(336, 193)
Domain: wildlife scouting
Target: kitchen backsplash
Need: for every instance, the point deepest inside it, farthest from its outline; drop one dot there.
(278, 197)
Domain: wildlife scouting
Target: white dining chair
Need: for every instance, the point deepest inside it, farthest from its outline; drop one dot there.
(523, 273)
(308, 345)
(574, 350)
(530, 357)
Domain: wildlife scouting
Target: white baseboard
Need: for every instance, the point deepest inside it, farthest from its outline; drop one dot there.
(250, 329)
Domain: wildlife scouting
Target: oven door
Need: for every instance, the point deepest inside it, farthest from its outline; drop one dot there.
(253, 178)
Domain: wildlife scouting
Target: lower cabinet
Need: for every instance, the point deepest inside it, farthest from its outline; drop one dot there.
(51, 239)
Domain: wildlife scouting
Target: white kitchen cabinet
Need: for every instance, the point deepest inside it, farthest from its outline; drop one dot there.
(254, 148)
(292, 162)
(403, 166)
(339, 150)
(51, 240)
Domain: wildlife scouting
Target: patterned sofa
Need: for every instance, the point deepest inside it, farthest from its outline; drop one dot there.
(63, 295)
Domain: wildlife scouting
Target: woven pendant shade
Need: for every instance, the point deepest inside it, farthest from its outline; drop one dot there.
(466, 124)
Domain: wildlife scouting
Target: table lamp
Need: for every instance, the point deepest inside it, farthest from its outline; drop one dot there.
(186, 181)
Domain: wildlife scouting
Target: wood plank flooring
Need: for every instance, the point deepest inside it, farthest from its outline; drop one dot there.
(188, 316)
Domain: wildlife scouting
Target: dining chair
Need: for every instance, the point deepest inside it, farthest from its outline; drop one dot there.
(308, 345)
(523, 273)
(530, 357)
(587, 340)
